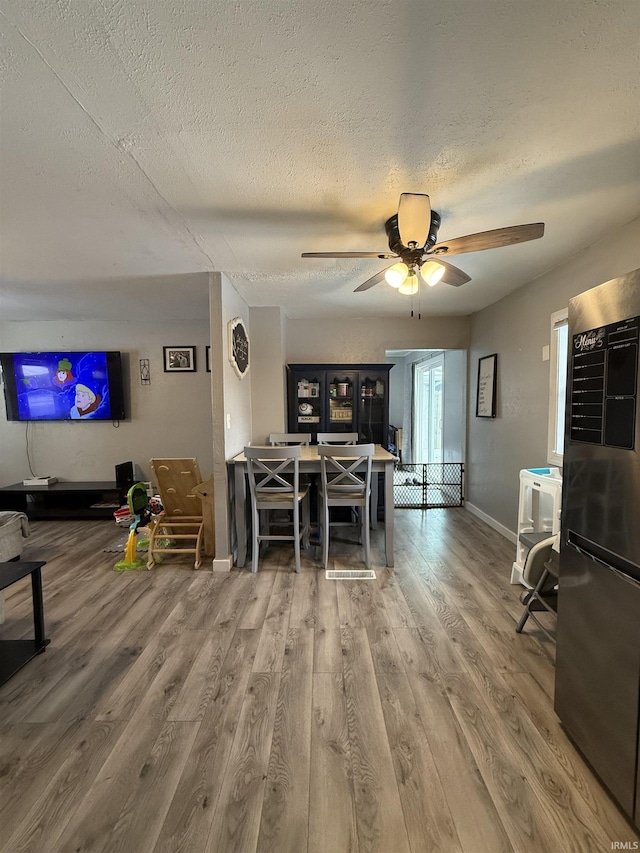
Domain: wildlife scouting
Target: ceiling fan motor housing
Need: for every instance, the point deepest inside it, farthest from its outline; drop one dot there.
(395, 241)
(433, 231)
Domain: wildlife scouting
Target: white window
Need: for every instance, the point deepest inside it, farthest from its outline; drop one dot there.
(557, 385)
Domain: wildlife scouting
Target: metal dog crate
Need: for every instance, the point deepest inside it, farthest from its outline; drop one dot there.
(424, 485)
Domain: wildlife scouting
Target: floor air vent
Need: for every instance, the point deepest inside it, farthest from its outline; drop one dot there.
(350, 575)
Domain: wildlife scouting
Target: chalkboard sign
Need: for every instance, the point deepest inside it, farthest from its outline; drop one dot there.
(238, 347)
(486, 392)
(603, 385)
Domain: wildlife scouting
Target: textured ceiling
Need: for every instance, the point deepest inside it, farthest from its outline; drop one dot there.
(148, 139)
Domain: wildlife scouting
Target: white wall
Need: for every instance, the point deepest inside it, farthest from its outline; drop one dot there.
(517, 328)
(169, 417)
(237, 391)
(396, 389)
(231, 408)
(268, 378)
(455, 405)
(366, 341)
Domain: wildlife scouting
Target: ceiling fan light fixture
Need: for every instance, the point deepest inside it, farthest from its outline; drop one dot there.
(396, 275)
(410, 286)
(412, 233)
(432, 272)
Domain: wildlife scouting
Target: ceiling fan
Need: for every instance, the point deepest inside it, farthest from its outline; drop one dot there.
(412, 234)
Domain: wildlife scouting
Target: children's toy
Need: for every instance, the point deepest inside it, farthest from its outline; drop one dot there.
(123, 516)
(141, 509)
(181, 522)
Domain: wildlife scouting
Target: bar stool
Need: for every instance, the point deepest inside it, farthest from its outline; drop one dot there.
(343, 485)
(337, 437)
(284, 439)
(274, 486)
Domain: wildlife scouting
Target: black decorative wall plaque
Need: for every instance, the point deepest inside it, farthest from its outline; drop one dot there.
(238, 347)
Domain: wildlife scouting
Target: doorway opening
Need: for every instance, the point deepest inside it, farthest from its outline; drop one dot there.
(428, 408)
(427, 412)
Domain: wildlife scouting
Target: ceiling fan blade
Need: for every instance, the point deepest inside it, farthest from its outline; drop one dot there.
(489, 239)
(347, 255)
(414, 218)
(453, 275)
(371, 282)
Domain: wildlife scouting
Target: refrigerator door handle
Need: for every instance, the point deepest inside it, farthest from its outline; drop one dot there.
(591, 556)
(582, 551)
(624, 576)
(618, 572)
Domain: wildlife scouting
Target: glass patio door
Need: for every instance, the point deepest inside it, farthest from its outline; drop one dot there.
(428, 410)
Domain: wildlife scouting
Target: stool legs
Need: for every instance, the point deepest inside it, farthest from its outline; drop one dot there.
(532, 596)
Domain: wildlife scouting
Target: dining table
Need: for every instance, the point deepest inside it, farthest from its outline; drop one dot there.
(382, 462)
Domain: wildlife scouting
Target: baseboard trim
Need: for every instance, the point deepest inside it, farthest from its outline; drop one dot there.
(516, 575)
(500, 528)
(222, 564)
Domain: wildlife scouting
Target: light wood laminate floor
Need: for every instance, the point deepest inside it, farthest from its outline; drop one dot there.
(189, 711)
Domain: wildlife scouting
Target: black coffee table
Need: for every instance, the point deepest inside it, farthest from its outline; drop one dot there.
(14, 654)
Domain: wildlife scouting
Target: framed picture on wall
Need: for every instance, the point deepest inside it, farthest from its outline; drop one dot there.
(179, 359)
(208, 357)
(486, 390)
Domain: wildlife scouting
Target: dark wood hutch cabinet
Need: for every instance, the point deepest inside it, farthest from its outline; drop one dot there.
(339, 398)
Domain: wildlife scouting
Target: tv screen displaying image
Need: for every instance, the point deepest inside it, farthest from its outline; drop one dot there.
(63, 386)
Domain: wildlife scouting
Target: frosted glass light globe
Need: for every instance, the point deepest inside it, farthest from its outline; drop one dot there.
(432, 272)
(396, 274)
(410, 286)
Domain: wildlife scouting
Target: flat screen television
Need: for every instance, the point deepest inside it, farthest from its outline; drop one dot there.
(63, 386)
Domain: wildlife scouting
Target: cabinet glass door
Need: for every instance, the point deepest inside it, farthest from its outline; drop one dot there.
(373, 407)
(308, 399)
(342, 400)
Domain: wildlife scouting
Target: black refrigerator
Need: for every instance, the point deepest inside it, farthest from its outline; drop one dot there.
(597, 695)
